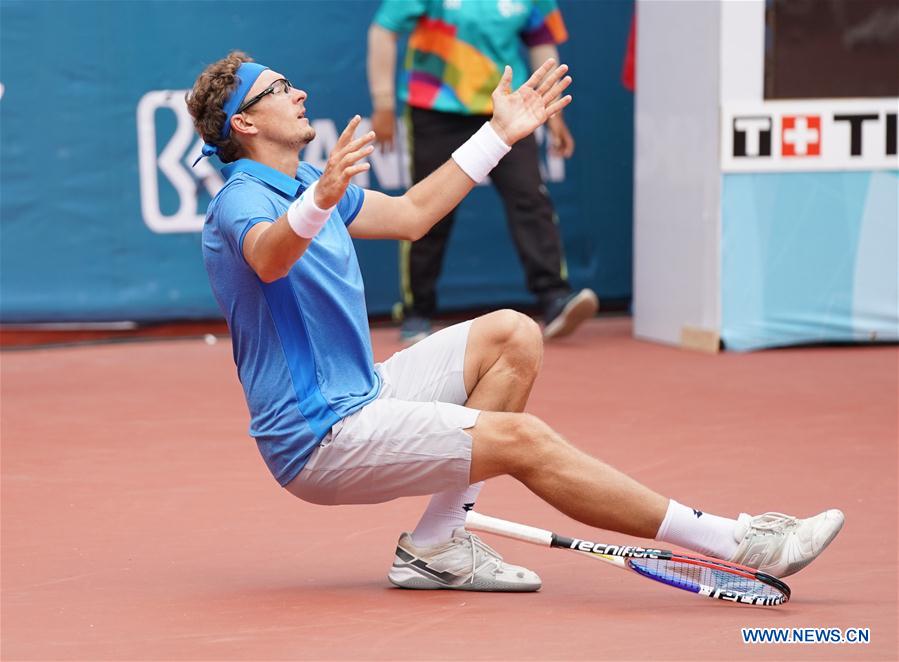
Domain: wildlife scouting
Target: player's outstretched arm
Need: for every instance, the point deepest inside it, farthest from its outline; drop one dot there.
(271, 249)
(516, 114)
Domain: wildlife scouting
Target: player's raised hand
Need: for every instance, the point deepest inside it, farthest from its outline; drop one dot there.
(343, 164)
(517, 114)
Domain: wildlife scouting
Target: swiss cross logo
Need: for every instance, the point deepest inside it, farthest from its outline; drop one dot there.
(801, 135)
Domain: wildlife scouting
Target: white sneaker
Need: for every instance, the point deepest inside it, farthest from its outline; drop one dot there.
(464, 563)
(781, 545)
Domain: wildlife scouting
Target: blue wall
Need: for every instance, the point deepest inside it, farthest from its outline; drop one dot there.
(74, 241)
(809, 257)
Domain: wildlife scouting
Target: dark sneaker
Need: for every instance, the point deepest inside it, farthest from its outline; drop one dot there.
(464, 563)
(565, 314)
(414, 328)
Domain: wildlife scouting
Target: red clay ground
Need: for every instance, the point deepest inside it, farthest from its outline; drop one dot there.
(139, 523)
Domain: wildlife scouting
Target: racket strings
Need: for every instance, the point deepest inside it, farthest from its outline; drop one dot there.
(693, 578)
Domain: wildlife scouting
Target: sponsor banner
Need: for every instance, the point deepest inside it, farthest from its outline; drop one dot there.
(101, 209)
(808, 135)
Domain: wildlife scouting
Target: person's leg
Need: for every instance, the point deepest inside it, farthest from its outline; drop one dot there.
(489, 363)
(499, 355)
(392, 448)
(532, 221)
(434, 137)
(581, 486)
(421, 262)
(592, 492)
(534, 226)
(502, 360)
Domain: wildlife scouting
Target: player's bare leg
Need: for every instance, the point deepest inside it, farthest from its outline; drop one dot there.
(596, 494)
(502, 359)
(575, 483)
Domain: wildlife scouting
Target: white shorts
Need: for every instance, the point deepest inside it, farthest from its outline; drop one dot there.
(409, 441)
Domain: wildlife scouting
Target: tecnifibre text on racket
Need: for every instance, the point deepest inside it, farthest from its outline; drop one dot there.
(707, 577)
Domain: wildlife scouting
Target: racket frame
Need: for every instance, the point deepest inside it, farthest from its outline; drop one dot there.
(623, 556)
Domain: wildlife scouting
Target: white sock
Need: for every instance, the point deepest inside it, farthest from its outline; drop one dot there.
(445, 513)
(702, 532)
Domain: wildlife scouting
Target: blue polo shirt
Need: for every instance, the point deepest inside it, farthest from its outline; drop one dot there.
(301, 344)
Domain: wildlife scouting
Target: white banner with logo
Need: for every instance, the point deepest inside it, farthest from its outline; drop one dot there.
(808, 135)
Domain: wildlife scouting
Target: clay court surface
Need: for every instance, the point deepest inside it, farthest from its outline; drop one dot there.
(139, 523)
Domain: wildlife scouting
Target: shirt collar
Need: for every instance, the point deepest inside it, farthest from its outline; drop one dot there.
(276, 179)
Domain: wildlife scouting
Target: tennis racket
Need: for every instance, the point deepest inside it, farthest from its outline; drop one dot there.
(707, 577)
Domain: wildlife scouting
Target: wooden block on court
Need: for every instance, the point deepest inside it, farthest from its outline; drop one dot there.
(700, 340)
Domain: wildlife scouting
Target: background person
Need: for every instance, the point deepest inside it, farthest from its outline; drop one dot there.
(455, 56)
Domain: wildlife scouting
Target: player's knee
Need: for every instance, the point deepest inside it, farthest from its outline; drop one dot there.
(528, 439)
(513, 444)
(522, 341)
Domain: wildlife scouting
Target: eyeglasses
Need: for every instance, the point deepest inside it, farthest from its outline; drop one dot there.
(280, 86)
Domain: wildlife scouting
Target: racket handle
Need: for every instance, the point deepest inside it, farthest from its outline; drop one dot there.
(477, 522)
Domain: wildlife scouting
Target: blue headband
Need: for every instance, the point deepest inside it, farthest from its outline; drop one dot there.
(247, 73)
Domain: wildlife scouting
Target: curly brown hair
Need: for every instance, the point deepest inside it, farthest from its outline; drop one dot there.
(207, 98)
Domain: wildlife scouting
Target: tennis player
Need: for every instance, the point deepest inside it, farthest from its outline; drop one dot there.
(442, 416)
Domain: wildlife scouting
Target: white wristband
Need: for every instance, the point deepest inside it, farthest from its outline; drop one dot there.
(479, 154)
(305, 217)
